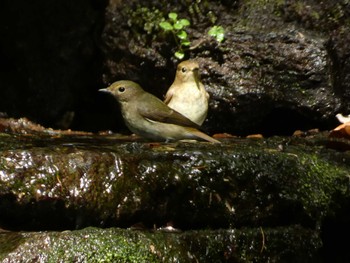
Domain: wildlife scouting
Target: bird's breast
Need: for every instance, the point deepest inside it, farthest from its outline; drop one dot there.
(189, 92)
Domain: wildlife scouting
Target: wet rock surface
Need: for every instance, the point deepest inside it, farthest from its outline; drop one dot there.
(192, 185)
(265, 192)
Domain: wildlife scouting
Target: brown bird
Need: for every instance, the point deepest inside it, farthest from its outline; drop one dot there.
(187, 94)
(147, 116)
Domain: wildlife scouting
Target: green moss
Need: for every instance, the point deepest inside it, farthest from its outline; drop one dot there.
(282, 244)
(109, 246)
(145, 20)
(318, 185)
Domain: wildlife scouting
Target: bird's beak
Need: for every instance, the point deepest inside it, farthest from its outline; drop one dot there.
(104, 90)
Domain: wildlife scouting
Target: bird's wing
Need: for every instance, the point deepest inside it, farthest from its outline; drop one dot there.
(169, 95)
(155, 110)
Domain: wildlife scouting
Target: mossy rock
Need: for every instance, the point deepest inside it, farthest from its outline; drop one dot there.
(284, 244)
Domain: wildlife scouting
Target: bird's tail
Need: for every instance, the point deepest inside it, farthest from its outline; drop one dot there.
(203, 136)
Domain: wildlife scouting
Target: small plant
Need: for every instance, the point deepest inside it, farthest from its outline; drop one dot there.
(217, 32)
(177, 28)
(148, 23)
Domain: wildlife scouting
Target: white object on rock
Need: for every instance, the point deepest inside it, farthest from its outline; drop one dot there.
(343, 119)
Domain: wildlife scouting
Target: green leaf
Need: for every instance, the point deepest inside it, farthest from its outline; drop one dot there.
(166, 26)
(217, 32)
(184, 22)
(172, 16)
(182, 34)
(178, 25)
(185, 43)
(221, 30)
(220, 37)
(179, 54)
(212, 31)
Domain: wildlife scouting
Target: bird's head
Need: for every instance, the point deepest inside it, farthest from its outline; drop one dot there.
(188, 71)
(123, 90)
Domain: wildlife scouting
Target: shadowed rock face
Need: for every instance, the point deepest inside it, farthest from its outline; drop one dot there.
(272, 74)
(49, 56)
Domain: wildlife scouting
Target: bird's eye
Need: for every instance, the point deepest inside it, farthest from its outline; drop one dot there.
(184, 69)
(121, 89)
